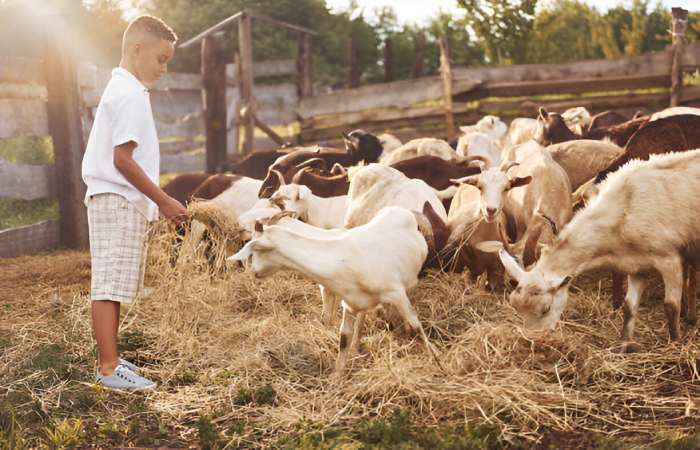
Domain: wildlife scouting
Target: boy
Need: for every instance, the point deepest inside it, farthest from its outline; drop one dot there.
(121, 171)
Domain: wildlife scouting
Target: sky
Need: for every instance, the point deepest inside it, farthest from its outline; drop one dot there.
(419, 11)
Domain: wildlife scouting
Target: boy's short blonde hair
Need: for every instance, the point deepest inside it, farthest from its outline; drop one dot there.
(147, 25)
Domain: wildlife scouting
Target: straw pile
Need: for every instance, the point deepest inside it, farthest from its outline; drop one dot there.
(206, 336)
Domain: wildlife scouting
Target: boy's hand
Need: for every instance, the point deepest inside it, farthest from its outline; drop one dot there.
(173, 210)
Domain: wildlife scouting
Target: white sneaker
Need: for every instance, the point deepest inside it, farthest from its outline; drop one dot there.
(124, 379)
(128, 365)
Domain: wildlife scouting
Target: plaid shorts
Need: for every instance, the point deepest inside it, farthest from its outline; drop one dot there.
(117, 248)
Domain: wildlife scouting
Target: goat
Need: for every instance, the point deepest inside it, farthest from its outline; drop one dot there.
(674, 111)
(366, 266)
(633, 226)
(321, 212)
(547, 195)
(476, 215)
(664, 135)
(606, 119)
(477, 143)
(582, 159)
(420, 147)
(577, 118)
(323, 186)
(552, 129)
(182, 186)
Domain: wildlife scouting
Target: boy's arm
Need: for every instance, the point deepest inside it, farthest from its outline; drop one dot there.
(170, 208)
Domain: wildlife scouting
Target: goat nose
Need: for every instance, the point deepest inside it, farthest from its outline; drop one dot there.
(491, 211)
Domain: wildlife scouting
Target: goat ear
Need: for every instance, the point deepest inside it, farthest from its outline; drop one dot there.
(471, 179)
(520, 181)
(489, 246)
(542, 114)
(243, 253)
(511, 265)
(559, 284)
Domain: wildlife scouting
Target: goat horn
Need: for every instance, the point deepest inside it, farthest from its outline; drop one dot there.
(310, 162)
(338, 169)
(279, 176)
(507, 165)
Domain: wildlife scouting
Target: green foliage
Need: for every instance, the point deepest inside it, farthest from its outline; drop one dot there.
(207, 434)
(503, 26)
(394, 432)
(563, 32)
(64, 434)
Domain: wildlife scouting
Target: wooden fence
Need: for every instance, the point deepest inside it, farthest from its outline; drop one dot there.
(415, 107)
(26, 107)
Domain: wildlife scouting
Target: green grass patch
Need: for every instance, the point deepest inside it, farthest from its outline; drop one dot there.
(17, 213)
(27, 150)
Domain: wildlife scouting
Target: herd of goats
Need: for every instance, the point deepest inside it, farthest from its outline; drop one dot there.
(542, 199)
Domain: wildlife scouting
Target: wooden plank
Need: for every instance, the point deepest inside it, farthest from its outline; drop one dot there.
(30, 239)
(245, 48)
(214, 98)
(182, 163)
(21, 69)
(179, 81)
(23, 117)
(189, 127)
(330, 127)
(27, 182)
(211, 30)
(263, 69)
(571, 86)
(395, 94)
(65, 126)
(268, 131)
(180, 146)
(304, 66)
(14, 90)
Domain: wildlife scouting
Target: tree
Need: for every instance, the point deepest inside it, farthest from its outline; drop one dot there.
(503, 26)
(563, 32)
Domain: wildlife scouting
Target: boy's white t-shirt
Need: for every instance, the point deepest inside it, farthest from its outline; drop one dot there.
(124, 114)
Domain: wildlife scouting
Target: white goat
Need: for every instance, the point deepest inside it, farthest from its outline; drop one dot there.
(633, 226)
(389, 143)
(420, 147)
(367, 266)
(674, 111)
(520, 131)
(476, 215)
(577, 119)
(477, 143)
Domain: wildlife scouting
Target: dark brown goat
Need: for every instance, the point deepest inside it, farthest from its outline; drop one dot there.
(320, 185)
(214, 185)
(436, 172)
(556, 131)
(360, 147)
(670, 134)
(606, 119)
(182, 186)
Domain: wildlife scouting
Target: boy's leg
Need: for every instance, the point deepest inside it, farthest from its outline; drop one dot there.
(105, 324)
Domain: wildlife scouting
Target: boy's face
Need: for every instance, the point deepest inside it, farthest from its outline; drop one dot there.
(151, 59)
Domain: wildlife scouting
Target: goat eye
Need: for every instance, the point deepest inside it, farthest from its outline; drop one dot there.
(546, 309)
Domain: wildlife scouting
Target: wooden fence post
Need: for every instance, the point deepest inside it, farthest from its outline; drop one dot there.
(65, 128)
(388, 61)
(446, 73)
(214, 101)
(418, 62)
(678, 28)
(245, 48)
(304, 66)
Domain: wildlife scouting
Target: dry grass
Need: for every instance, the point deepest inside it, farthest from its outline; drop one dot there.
(242, 350)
